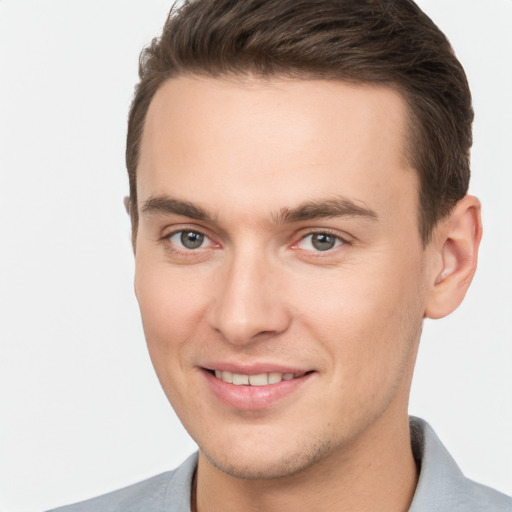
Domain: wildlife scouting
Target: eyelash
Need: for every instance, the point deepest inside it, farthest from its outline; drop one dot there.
(177, 248)
(339, 241)
(174, 245)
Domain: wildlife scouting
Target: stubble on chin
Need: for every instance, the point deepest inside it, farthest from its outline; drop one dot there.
(285, 466)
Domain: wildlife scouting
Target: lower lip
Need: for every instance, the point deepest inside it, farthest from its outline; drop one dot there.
(251, 398)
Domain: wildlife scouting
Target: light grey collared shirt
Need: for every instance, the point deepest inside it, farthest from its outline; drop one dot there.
(441, 486)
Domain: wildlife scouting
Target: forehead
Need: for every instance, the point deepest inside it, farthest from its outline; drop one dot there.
(274, 143)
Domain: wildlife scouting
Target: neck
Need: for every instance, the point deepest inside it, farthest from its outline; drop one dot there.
(376, 472)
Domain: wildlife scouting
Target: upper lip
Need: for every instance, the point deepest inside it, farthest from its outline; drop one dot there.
(254, 368)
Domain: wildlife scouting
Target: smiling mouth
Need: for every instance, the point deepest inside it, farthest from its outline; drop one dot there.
(256, 389)
(260, 379)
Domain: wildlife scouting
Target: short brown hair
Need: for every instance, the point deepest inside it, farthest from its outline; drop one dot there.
(388, 42)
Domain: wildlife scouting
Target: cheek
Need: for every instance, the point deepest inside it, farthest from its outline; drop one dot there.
(171, 313)
(171, 309)
(369, 316)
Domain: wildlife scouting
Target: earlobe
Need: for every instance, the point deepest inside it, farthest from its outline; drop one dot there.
(456, 243)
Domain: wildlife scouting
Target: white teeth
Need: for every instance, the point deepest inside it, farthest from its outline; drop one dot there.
(262, 379)
(226, 377)
(240, 379)
(258, 380)
(274, 378)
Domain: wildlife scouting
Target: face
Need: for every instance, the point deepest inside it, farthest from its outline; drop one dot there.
(279, 267)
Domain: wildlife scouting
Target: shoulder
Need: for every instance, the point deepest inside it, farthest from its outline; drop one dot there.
(165, 492)
(442, 485)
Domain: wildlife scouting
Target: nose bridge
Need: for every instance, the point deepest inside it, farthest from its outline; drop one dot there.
(248, 303)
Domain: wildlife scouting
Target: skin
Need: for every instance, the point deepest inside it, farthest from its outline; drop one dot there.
(248, 155)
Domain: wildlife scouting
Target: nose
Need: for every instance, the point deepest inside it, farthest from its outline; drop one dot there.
(249, 303)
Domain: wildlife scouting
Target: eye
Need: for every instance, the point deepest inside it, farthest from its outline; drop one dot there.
(190, 240)
(319, 242)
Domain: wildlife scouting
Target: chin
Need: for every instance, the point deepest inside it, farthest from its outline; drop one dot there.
(268, 464)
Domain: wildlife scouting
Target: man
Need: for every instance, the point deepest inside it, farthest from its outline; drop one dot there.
(298, 177)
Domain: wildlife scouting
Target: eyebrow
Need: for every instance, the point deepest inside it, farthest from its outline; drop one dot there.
(164, 205)
(324, 209)
(310, 210)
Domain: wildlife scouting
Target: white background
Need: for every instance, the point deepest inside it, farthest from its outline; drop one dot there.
(81, 411)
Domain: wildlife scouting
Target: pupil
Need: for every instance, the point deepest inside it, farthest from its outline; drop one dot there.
(323, 241)
(191, 240)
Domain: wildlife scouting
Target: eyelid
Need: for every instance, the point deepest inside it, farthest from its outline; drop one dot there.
(174, 230)
(343, 238)
(171, 230)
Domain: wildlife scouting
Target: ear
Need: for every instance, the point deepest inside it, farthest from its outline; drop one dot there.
(455, 245)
